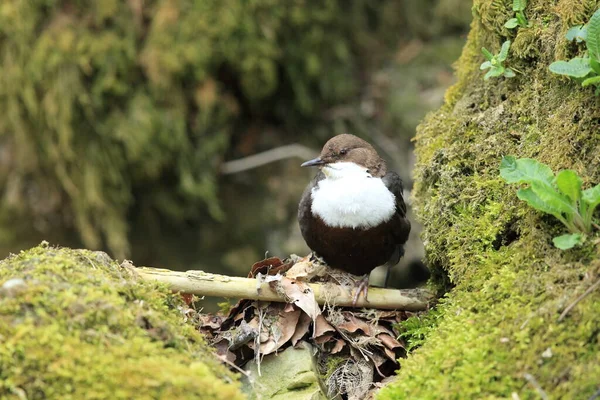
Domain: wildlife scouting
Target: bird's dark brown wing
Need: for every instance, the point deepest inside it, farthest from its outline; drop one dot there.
(400, 223)
(304, 211)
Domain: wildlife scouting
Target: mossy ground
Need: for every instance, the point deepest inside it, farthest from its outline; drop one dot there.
(82, 327)
(499, 330)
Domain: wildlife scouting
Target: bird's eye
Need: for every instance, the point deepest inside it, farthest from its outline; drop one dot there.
(343, 152)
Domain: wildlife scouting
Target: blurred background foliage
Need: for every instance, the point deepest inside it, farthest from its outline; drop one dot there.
(117, 115)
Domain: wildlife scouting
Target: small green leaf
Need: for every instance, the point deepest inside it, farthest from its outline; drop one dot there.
(519, 5)
(494, 72)
(553, 198)
(485, 65)
(595, 65)
(592, 196)
(528, 196)
(509, 73)
(525, 170)
(576, 67)
(511, 23)
(569, 183)
(594, 80)
(487, 54)
(593, 36)
(578, 32)
(568, 241)
(521, 19)
(504, 51)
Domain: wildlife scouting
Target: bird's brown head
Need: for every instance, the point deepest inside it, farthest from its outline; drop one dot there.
(349, 148)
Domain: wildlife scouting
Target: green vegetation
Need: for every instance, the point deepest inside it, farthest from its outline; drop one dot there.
(76, 325)
(559, 195)
(588, 66)
(499, 321)
(417, 328)
(118, 112)
(495, 62)
(520, 19)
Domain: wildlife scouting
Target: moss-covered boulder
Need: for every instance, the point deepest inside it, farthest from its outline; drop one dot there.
(76, 325)
(499, 333)
(114, 111)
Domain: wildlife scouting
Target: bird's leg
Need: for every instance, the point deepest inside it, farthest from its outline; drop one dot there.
(361, 287)
(388, 269)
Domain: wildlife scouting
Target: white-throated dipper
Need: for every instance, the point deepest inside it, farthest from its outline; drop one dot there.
(352, 214)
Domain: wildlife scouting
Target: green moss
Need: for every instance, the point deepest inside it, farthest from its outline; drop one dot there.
(499, 322)
(80, 326)
(120, 107)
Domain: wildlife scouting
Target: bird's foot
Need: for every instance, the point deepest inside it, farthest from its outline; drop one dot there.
(361, 287)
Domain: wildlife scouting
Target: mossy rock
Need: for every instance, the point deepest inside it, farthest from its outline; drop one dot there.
(498, 333)
(76, 325)
(116, 110)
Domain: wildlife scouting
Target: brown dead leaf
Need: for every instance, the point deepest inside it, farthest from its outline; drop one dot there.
(269, 266)
(210, 321)
(298, 293)
(352, 324)
(287, 325)
(378, 360)
(391, 355)
(322, 326)
(288, 307)
(323, 338)
(301, 328)
(277, 331)
(389, 341)
(268, 347)
(306, 270)
(339, 346)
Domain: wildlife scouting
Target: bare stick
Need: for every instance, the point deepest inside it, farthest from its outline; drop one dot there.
(206, 284)
(577, 300)
(531, 379)
(267, 157)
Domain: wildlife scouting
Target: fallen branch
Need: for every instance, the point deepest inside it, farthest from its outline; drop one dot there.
(206, 284)
(577, 300)
(267, 157)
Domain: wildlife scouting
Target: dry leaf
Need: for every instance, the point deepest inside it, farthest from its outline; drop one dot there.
(287, 324)
(352, 324)
(306, 270)
(301, 328)
(339, 345)
(391, 355)
(210, 321)
(322, 326)
(300, 294)
(323, 338)
(269, 266)
(389, 341)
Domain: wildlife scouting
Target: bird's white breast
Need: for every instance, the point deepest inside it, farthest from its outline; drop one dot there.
(349, 197)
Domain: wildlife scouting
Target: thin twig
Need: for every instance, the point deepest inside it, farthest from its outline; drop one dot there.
(531, 379)
(595, 225)
(267, 157)
(570, 307)
(595, 395)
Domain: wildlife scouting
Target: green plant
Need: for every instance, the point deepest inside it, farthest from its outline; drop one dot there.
(520, 19)
(559, 195)
(577, 33)
(495, 62)
(588, 66)
(415, 329)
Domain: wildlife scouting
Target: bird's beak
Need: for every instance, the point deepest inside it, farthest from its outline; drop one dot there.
(314, 162)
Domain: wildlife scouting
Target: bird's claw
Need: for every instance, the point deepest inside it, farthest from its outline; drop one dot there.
(361, 287)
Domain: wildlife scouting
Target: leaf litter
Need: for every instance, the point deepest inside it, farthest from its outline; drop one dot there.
(356, 348)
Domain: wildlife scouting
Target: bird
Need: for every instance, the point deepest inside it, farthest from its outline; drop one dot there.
(352, 214)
